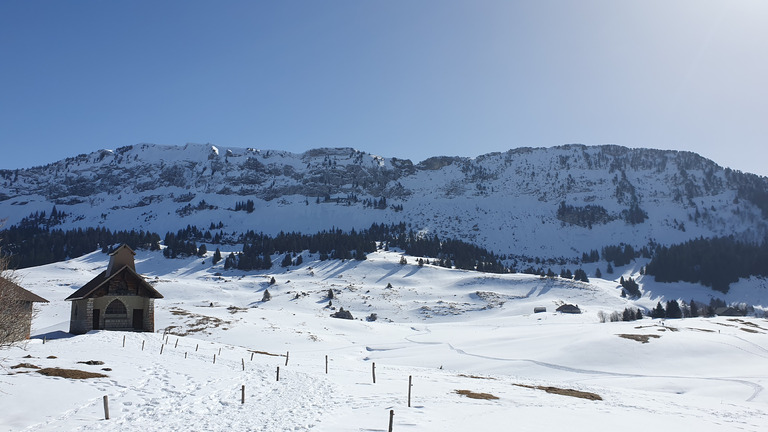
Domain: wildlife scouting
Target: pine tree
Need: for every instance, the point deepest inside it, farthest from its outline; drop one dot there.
(598, 273)
(694, 309)
(216, 256)
(658, 311)
(673, 309)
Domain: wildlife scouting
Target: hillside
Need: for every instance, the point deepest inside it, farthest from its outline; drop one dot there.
(448, 329)
(529, 202)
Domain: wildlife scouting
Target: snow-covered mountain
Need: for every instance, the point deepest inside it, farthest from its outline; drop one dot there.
(535, 202)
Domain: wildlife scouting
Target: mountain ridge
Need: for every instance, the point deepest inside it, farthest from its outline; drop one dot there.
(537, 202)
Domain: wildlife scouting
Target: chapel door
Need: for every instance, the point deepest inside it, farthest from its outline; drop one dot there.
(138, 319)
(96, 319)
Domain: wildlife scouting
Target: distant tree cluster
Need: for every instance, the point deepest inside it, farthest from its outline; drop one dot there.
(672, 310)
(627, 315)
(246, 206)
(619, 255)
(31, 243)
(591, 257)
(715, 263)
(175, 248)
(634, 215)
(630, 288)
(583, 216)
(579, 274)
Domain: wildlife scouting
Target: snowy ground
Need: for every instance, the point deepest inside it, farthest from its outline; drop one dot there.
(449, 330)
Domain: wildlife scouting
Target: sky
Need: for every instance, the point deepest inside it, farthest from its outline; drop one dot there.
(407, 79)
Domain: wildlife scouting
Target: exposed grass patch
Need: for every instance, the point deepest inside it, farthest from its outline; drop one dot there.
(476, 377)
(748, 330)
(235, 309)
(639, 338)
(195, 324)
(703, 330)
(473, 395)
(25, 365)
(747, 323)
(70, 373)
(51, 357)
(92, 362)
(565, 392)
(266, 353)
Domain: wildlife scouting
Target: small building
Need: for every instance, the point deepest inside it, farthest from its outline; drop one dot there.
(539, 309)
(16, 309)
(117, 299)
(728, 311)
(569, 308)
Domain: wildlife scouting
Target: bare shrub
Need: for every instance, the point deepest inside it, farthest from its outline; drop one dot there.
(16, 312)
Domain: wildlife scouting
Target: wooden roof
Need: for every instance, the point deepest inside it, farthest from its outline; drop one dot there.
(21, 293)
(88, 289)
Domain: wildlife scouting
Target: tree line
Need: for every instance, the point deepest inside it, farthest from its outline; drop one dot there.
(713, 262)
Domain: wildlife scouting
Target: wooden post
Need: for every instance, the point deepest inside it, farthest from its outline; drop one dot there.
(142, 345)
(214, 359)
(391, 419)
(185, 354)
(243, 360)
(196, 345)
(373, 372)
(45, 337)
(278, 373)
(219, 351)
(177, 343)
(242, 398)
(286, 358)
(161, 348)
(106, 408)
(123, 341)
(251, 356)
(326, 364)
(410, 384)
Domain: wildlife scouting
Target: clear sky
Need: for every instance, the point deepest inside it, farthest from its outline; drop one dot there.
(410, 78)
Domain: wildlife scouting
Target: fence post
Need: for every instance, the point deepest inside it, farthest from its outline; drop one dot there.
(185, 354)
(243, 360)
(391, 419)
(278, 373)
(373, 372)
(410, 384)
(106, 408)
(326, 364)
(243, 394)
(219, 351)
(214, 359)
(177, 343)
(286, 358)
(161, 348)
(123, 341)
(251, 356)
(196, 345)
(142, 345)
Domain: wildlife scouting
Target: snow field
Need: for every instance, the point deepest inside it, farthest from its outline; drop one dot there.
(698, 374)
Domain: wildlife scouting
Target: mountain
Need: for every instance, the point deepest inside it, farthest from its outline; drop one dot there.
(554, 203)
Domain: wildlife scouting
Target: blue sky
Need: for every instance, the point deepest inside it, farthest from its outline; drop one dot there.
(409, 79)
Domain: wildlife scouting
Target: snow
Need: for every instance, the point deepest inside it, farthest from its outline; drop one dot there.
(504, 202)
(698, 374)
